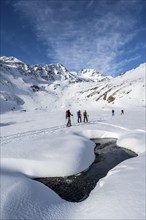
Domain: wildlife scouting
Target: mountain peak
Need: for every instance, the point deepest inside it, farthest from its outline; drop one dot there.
(92, 74)
(23, 86)
(10, 59)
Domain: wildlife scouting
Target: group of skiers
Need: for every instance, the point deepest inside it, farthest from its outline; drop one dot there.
(79, 117)
(85, 116)
(113, 112)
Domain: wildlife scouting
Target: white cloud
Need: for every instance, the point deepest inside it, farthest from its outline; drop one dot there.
(80, 40)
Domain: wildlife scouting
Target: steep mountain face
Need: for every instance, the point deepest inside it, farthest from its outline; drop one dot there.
(10, 60)
(48, 72)
(125, 88)
(93, 75)
(52, 72)
(24, 87)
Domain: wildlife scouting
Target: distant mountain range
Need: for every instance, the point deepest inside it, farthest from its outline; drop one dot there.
(52, 86)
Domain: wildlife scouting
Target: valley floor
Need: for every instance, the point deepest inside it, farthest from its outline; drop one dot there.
(38, 144)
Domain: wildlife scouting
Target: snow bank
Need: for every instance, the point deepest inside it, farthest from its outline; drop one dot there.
(133, 140)
(120, 195)
(48, 155)
(98, 134)
(23, 198)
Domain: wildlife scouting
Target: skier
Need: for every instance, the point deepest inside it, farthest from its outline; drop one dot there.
(85, 116)
(122, 112)
(68, 115)
(113, 112)
(79, 115)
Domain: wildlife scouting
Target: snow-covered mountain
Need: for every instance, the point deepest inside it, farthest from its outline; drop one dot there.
(92, 74)
(36, 143)
(49, 72)
(127, 87)
(53, 86)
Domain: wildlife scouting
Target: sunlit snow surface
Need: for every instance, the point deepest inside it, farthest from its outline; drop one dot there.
(35, 142)
(38, 144)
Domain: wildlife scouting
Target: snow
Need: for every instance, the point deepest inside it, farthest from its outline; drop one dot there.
(133, 140)
(10, 59)
(59, 154)
(37, 143)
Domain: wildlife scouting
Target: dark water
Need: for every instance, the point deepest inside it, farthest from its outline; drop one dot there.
(77, 187)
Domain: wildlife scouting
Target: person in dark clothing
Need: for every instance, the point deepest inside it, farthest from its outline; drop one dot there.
(68, 115)
(79, 115)
(122, 112)
(85, 116)
(113, 112)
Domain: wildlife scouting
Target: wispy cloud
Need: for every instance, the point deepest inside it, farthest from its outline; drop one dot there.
(83, 34)
(90, 3)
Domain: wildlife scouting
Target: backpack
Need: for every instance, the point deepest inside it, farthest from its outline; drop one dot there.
(85, 114)
(79, 113)
(67, 114)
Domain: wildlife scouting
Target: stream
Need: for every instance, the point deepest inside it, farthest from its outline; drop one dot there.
(76, 188)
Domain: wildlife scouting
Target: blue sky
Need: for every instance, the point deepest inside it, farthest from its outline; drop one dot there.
(107, 35)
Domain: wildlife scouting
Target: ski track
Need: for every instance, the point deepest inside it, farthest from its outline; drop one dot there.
(6, 139)
(116, 126)
(15, 137)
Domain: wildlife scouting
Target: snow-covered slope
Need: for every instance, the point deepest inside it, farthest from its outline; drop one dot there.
(35, 141)
(10, 60)
(124, 89)
(93, 75)
(53, 86)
